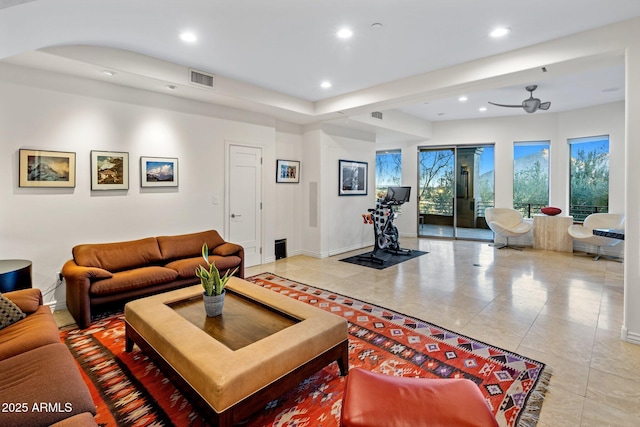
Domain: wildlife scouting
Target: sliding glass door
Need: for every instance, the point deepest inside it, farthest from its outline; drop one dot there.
(456, 184)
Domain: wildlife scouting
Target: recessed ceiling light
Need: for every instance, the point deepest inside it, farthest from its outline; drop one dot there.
(500, 32)
(188, 36)
(344, 33)
(463, 98)
(325, 85)
(376, 25)
(482, 109)
(109, 73)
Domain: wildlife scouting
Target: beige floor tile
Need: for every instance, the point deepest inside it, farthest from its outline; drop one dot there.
(614, 356)
(561, 408)
(597, 414)
(562, 338)
(566, 375)
(618, 392)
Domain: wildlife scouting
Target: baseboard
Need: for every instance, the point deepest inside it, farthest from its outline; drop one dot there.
(631, 337)
(313, 254)
(56, 305)
(349, 249)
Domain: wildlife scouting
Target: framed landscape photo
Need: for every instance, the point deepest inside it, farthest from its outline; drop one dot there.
(158, 172)
(109, 170)
(52, 169)
(288, 171)
(353, 178)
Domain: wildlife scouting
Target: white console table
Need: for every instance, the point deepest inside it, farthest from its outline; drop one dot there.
(550, 233)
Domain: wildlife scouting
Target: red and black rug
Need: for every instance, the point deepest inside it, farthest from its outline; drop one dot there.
(130, 391)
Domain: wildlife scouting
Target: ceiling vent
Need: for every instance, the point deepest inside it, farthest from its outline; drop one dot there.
(202, 79)
(377, 115)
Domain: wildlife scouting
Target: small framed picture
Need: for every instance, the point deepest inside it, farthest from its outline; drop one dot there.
(353, 178)
(50, 169)
(109, 170)
(158, 172)
(288, 171)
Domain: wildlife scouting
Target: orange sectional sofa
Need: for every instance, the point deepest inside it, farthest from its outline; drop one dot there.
(41, 384)
(107, 273)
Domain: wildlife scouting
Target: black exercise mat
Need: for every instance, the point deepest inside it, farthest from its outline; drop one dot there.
(390, 259)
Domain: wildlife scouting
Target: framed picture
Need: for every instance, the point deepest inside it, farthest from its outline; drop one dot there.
(288, 171)
(109, 170)
(353, 178)
(47, 169)
(158, 172)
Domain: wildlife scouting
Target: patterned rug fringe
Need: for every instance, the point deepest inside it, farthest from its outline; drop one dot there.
(531, 415)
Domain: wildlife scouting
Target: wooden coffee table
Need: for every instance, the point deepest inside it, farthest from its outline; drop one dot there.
(231, 366)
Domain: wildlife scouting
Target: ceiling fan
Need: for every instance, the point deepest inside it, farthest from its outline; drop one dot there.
(531, 104)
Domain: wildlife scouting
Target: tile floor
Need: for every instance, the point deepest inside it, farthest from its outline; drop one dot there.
(562, 309)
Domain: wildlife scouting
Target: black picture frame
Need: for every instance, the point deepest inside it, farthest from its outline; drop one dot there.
(353, 178)
(288, 171)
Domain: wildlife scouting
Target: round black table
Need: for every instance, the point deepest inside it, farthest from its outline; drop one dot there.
(14, 274)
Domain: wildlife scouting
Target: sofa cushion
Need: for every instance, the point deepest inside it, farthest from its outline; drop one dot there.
(227, 249)
(34, 331)
(27, 299)
(188, 245)
(187, 267)
(137, 278)
(48, 375)
(118, 256)
(9, 312)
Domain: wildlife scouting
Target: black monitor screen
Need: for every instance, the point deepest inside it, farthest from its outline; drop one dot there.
(398, 195)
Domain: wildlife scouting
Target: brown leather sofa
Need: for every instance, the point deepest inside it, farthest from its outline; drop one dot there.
(41, 384)
(107, 273)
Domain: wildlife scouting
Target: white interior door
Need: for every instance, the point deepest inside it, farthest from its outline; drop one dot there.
(245, 201)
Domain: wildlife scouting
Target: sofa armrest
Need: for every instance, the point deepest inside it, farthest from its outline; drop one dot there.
(78, 281)
(28, 300)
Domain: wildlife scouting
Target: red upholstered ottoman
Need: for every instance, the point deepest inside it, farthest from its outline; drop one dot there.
(378, 400)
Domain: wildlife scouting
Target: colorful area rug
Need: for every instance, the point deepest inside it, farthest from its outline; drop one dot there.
(130, 391)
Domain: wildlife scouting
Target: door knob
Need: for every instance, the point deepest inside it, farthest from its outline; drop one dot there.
(235, 216)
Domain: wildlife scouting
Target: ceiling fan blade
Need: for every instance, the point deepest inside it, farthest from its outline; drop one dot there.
(545, 106)
(504, 105)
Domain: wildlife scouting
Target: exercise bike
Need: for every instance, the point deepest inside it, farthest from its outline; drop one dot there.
(385, 232)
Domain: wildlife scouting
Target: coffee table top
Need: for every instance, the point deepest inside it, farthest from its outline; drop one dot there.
(242, 322)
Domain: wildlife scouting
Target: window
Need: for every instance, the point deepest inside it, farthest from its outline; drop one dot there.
(388, 171)
(589, 176)
(530, 176)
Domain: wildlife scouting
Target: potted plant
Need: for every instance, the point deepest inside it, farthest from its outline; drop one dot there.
(212, 284)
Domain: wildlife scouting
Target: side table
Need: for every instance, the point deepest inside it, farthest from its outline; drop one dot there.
(550, 233)
(14, 274)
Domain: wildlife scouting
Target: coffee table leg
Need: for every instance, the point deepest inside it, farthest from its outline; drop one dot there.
(128, 346)
(343, 362)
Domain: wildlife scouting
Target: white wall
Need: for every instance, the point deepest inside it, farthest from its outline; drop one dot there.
(287, 207)
(346, 230)
(42, 225)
